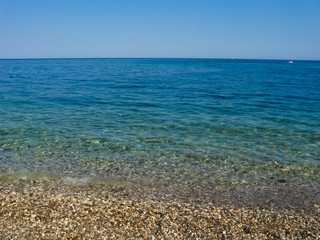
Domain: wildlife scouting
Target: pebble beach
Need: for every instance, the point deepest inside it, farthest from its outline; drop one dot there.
(158, 120)
(47, 210)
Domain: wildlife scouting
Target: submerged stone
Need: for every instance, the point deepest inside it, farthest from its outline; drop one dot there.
(281, 180)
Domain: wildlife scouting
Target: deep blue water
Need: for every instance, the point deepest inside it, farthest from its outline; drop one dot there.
(206, 120)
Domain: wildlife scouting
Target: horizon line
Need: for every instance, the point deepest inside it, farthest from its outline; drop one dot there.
(48, 58)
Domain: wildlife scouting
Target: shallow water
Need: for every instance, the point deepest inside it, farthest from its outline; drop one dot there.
(180, 120)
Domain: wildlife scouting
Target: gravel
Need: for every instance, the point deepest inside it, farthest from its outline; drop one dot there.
(56, 210)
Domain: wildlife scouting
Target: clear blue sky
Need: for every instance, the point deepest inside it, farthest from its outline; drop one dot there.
(276, 29)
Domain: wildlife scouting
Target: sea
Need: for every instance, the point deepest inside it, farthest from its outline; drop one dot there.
(202, 122)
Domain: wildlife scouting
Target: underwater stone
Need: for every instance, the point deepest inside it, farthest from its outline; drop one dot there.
(282, 181)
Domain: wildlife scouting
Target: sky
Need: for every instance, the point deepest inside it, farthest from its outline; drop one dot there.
(258, 29)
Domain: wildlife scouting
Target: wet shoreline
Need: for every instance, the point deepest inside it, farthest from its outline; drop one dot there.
(267, 193)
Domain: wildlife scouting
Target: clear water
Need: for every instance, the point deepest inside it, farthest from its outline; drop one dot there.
(197, 120)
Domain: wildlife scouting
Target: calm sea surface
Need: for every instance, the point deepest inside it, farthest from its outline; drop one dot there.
(196, 120)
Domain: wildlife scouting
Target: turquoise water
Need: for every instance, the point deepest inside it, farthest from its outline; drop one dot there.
(197, 120)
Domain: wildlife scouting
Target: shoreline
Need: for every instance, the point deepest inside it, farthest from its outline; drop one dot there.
(265, 193)
(56, 210)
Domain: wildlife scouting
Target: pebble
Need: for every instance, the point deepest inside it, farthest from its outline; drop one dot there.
(282, 180)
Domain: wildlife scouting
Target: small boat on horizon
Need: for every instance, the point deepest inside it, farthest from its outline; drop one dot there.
(290, 61)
